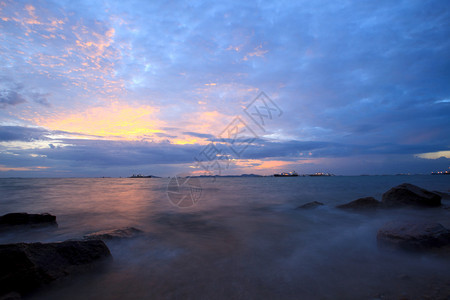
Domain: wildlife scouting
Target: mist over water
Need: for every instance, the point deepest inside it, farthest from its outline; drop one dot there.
(243, 240)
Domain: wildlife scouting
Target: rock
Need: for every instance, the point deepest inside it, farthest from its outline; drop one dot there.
(410, 195)
(414, 236)
(27, 219)
(310, 205)
(126, 232)
(362, 204)
(27, 266)
(443, 195)
(11, 296)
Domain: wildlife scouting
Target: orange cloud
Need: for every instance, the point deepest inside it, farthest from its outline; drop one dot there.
(262, 164)
(210, 122)
(6, 169)
(270, 165)
(32, 20)
(258, 52)
(116, 121)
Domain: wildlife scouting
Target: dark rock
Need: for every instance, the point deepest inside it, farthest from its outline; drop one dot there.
(410, 195)
(362, 204)
(443, 195)
(11, 296)
(27, 219)
(310, 205)
(27, 266)
(414, 236)
(126, 232)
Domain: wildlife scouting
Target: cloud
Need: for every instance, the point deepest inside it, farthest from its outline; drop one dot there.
(19, 133)
(353, 79)
(435, 155)
(114, 121)
(41, 99)
(36, 168)
(10, 98)
(200, 135)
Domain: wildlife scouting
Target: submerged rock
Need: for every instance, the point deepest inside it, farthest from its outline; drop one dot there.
(27, 219)
(362, 204)
(126, 232)
(310, 205)
(410, 195)
(27, 266)
(414, 236)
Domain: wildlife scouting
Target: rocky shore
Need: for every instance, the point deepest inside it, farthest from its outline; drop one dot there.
(26, 267)
(401, 235)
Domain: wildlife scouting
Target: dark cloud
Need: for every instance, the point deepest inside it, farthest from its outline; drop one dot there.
(115, 153)
(10, 98)
(41, 99)
(19, 133)
(199, 135)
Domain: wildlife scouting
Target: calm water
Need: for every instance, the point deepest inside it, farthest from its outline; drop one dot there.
(243, 240)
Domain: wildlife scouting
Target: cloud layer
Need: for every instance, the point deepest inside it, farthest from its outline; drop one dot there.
(120, 87)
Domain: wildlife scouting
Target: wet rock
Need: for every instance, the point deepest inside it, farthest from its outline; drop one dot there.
(126, 232)
(410, 195)
(27, 266)
(414, 236)
(27, 219)
(367, 203)
(443, 195)
(310, 205)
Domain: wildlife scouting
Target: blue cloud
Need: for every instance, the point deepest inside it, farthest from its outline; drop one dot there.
(10, 98)
(352, 78)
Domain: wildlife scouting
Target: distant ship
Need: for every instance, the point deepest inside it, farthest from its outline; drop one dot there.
(321, 174)
(284, 174)
(441, 173)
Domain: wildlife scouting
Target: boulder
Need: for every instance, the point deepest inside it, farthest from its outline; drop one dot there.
(410, 195)
(310, 205)
(126, 232)
(27, 219)
(367, 203)
(443, 195)
(27, 266)
(414, 236)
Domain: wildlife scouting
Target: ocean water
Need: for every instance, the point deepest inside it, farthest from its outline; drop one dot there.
(243, 239)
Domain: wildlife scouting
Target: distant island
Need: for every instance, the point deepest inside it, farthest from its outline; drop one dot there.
(143, 176)
(282, 174)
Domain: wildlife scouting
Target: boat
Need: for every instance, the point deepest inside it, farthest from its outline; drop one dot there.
(285, 174)
(321, 174)
(441, 173)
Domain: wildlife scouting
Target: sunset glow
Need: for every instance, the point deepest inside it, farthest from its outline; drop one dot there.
(94, 89)
(112, 122)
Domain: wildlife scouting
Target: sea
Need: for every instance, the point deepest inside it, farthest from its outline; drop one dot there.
(238, 238)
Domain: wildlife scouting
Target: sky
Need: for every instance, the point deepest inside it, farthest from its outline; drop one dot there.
(115, 88)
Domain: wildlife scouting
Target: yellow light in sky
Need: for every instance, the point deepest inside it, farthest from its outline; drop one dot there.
(6, 168)
(117, 121)
(434, 155)
(263, 164)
